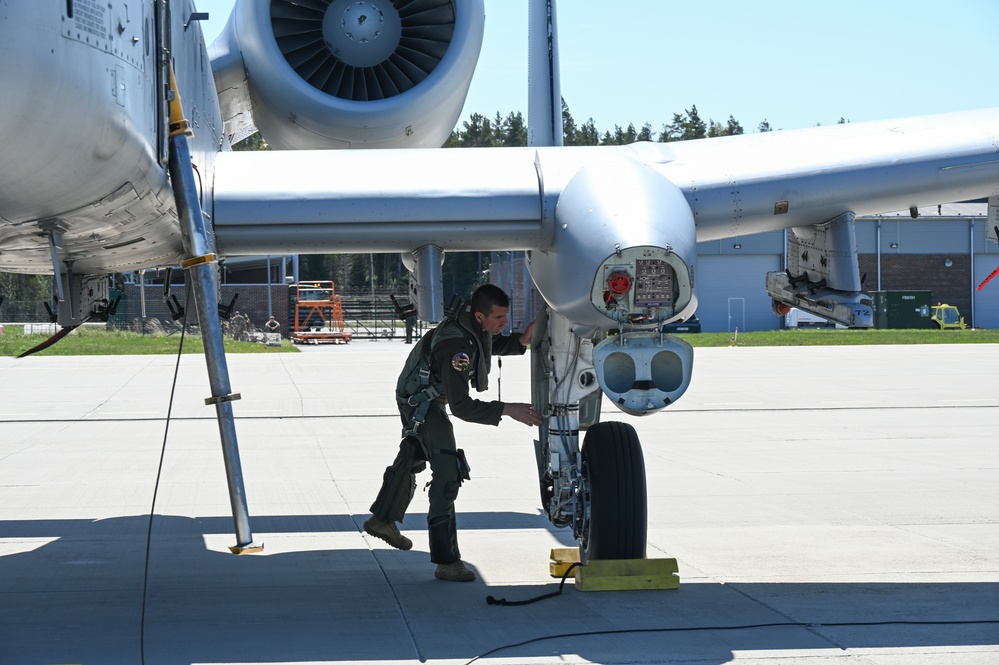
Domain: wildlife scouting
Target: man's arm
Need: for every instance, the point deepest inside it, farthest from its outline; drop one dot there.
(512, 345)
(451, 361)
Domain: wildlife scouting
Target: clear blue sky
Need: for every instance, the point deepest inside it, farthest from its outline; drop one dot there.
(796, 63)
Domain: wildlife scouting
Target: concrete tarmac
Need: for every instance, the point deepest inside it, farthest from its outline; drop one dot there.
(825, 505)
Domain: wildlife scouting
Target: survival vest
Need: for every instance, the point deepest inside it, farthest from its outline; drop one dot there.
(418, 382)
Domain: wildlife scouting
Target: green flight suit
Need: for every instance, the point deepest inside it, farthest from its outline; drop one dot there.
(456, 353)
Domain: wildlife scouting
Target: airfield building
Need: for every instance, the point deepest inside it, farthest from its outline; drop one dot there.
(944, 251)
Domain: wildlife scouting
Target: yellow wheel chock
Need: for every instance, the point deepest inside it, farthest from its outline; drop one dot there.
(615, 574)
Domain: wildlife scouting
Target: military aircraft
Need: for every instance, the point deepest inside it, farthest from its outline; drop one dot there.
(101, 175)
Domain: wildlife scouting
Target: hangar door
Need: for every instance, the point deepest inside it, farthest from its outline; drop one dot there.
(986, 300)
(731, 292)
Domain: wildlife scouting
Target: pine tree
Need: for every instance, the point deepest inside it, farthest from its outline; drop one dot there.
(730, 128)
(675, 130)
(694, 128)
(478, 132)
(568, 126)
(588, 134)
(514, 130)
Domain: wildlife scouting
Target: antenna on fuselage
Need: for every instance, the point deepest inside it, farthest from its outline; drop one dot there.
(544, 91)
(195, 16)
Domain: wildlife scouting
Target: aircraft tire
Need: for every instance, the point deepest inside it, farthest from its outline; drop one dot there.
(616, 522)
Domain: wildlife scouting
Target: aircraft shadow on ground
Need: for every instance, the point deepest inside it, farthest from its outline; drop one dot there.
(78, 590)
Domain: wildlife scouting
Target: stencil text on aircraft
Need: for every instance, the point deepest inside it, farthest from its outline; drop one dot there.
(91, 16)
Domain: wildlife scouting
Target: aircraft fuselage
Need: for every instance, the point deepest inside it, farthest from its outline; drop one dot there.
(84, 132)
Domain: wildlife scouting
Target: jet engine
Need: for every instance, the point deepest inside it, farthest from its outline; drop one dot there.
(347, 73)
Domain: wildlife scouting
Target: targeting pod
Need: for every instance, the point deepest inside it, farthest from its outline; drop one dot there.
(643, 372)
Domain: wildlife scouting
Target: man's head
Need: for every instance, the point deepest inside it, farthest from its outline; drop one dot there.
(490, 307)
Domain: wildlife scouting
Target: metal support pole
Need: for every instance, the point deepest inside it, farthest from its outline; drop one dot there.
(429, 295)
(55, 244)
(200, 267)
(270, 298)
(371, 279)
(971, 255)
(879, 253)
(142, 299)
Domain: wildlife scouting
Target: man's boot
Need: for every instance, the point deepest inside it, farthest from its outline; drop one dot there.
(388, 532)
(444, 552)
(454, 572)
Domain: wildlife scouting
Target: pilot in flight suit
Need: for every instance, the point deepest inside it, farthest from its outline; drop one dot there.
(439, 370)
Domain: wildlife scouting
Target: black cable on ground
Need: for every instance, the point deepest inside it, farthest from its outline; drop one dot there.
(156, 487)
(490, 600)
(694, 629)
(49, 342)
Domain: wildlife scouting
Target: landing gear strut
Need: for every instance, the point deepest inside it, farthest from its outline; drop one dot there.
(600, 489)
(199, 248)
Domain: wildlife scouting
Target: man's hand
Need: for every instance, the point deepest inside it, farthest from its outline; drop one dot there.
(525, 337)
(522, 413)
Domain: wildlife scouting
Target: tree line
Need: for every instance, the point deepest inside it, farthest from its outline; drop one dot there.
(511, 131)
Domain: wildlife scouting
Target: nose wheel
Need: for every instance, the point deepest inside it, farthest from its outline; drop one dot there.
(613, 494)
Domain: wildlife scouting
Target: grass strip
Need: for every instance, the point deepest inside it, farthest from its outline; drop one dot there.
(95, 341)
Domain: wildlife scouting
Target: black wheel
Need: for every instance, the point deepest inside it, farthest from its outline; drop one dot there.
(615, 502)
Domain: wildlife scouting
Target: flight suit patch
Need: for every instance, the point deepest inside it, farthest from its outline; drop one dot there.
(460, 362)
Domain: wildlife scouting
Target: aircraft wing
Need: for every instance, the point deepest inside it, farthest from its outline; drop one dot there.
(496, 198)
(576, 208)
(773, 180)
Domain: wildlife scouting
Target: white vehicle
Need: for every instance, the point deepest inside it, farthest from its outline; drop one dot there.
(797, 318)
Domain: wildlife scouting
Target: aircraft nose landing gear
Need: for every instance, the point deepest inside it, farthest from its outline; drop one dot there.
(613, 494)
(599, 488)
(613, 524)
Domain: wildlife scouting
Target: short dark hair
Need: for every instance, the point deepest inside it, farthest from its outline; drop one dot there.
(488, 296)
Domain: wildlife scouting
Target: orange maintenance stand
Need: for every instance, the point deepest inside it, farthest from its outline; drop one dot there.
(318, 300)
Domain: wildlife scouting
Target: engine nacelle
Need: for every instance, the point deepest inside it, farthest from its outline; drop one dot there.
(347, 73)
(622, 252)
